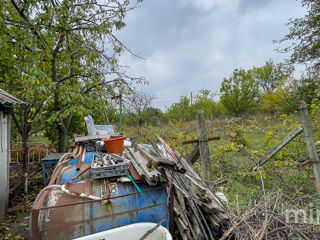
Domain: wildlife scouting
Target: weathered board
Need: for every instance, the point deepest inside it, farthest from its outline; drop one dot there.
(4, 162)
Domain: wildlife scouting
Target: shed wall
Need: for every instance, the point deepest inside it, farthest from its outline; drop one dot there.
(4, 162)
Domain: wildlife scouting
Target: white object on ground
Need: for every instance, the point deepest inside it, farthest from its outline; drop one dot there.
(133, 232)
(222, 197)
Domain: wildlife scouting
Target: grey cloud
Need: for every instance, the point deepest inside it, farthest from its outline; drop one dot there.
(193, 44)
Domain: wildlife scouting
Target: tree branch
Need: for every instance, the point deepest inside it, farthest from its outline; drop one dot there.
(16, 122)
(33, 30)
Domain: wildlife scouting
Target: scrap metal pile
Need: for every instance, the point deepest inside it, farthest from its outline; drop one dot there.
(192, 210)
(197, 212)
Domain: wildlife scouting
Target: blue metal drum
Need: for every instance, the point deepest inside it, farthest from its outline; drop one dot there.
(78, 217)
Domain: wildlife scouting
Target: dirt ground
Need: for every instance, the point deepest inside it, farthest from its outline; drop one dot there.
(16, 226)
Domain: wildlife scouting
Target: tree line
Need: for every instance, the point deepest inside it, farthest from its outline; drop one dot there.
(62, 58)
(268, 89)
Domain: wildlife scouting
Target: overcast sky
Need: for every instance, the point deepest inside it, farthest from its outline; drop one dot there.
(189, 45)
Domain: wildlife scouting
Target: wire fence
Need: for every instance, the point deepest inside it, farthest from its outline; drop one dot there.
(36, 151)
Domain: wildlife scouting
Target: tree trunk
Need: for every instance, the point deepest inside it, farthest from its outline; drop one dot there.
(25, 137)
(63, 138)
(63, 125)
(63, 128)
(23, 127)
(25, 152)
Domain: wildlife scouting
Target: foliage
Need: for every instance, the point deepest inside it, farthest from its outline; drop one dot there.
(304, 36)
(153, 116)
(185, 111)
(180, 111)
(239, 92)
(271, 74)
(244, 142)
(150, 115)
(306, 87)
(204, 101)
(64, 52)
(281, 100)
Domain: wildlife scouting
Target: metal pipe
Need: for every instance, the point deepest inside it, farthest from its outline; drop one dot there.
(84, 154)
(75, 177)
(55, 175)
(80, 158)
(102, 199)
(75, 151)
(79, 194)
(120, 128)
(60, 162)
(78, 154)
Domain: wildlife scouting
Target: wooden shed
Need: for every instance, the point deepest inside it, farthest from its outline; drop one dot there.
(6, 103)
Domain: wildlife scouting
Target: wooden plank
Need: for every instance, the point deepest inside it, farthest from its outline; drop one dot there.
(295, 132)
(182, 228)
(134, 174)
(151, 176)
(168, 149)
(156, 161)
(181, 217)
(151, 160)
(88, 138)
(187, 166)
(200, 193)
(200, 208)
(195, 154)
(312, 150)
(164, 154)
(4, 163)
(215, 205)
(133, 162)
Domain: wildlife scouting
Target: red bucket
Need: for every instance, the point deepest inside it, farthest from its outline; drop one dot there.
(115, 144)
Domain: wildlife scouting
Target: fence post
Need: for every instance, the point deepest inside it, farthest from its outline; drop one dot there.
(312, 151)
(203, 146)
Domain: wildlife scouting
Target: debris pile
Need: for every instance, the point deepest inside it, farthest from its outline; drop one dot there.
(194, 209)
(267, 219)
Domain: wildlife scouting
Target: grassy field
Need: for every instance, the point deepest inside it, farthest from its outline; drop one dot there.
(243, 143)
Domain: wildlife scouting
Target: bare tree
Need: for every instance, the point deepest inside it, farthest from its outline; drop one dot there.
(138, 101)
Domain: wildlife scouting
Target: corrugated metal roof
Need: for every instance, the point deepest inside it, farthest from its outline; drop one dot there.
(8, 98)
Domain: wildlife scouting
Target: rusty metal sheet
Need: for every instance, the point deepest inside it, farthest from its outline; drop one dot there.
(197, 140)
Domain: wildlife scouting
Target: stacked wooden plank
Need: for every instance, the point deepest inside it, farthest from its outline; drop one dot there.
(198, 213)
(150, 174)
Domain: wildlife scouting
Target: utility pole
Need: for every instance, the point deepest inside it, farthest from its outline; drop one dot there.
(191, 98)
